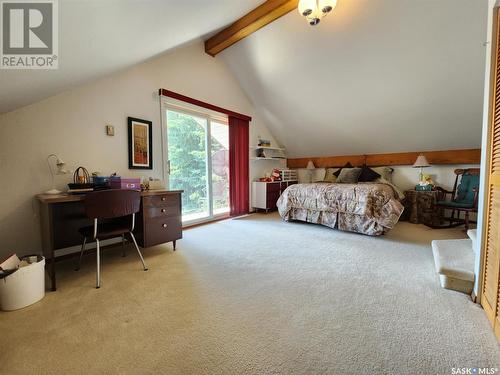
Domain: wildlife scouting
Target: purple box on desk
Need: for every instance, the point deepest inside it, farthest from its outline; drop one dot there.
(125, 183)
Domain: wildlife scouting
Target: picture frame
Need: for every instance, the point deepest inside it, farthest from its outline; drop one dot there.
(140, 143)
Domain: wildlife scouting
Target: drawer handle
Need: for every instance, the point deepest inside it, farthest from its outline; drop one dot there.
(164, 225)
(163, 210)
(163, 198)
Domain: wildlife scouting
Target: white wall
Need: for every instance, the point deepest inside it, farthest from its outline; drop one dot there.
(72, 124)
(374, 77)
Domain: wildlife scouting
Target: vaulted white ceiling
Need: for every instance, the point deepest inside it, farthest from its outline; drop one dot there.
(97, 37)
(374, 76)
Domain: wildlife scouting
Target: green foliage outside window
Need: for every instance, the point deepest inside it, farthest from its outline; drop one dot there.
(187, 152)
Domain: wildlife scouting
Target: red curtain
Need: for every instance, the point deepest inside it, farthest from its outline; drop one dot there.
(238, 166)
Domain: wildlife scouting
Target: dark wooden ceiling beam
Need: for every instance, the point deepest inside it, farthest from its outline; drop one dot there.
(254, 20)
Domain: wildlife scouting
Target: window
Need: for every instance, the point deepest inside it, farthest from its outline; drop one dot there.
(196, 153)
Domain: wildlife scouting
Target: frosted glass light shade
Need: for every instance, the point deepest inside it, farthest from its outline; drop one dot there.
(421, 162)
(326, 6)
(307, 7)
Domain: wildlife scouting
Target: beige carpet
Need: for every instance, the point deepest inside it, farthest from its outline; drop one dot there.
(255, 296)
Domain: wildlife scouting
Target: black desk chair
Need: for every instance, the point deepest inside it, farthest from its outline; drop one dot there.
(121, 205)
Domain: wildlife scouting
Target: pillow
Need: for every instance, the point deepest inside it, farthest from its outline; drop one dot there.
(347, 165)
(318, 174)
(330, 175)
(330, 181)
(399, 193)
(367, 174)
(385, 173)
(349, 175)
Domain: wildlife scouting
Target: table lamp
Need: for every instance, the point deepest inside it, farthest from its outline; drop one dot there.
(310, 167)
(59, 164)
(421, 163)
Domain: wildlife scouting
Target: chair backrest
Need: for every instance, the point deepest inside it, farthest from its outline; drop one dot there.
(466, 190)
(108, 204)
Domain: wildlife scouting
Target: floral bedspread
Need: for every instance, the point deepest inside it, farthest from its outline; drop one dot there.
(368, 208)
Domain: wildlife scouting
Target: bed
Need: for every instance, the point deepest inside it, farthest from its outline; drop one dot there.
(364, 207)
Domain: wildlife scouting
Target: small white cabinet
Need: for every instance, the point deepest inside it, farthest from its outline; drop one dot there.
(266, 194)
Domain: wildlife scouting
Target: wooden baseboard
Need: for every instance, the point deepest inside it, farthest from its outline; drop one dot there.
(469, 156)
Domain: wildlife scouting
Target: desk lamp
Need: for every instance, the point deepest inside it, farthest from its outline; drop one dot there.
(59, 164)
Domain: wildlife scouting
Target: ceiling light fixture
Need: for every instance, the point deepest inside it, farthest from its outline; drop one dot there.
(315, 10)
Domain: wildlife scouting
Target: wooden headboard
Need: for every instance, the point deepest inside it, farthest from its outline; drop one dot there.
(469, 156)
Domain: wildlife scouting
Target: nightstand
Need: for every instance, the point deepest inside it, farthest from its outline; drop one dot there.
(421, 208)
(266, 194)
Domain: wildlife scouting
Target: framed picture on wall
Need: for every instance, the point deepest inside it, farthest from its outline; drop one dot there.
(140, 144)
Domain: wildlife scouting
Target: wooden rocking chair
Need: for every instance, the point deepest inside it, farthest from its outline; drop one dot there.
(464, 197)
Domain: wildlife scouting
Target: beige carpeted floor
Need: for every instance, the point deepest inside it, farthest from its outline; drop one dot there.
(255, 296)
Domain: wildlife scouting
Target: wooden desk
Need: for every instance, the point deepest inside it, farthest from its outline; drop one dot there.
(158, 221)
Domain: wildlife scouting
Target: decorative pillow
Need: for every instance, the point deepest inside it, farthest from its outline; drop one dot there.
(385, 173)
(330, 175)
(349, 175)
(367, 174)
(347, 165)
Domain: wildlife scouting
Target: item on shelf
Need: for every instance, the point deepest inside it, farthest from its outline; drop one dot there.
(116, 182)
(276, 175)
(288, 174)
(81, 182)
(264, 143)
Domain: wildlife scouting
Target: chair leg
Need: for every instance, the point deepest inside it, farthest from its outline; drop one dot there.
(98, 274)
(466, 221)
(81, 254)
(124, 251)
(139, 251)
(452, 217)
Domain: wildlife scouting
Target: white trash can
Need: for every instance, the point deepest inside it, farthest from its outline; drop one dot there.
(24, 287)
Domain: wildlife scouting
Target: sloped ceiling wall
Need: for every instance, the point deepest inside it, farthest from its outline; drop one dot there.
(375, 76)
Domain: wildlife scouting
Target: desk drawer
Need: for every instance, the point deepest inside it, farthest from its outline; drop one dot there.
(162, 229)
(166, 211)
(164, 200)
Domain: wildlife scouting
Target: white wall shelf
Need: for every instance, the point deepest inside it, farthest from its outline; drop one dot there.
(257, 158)
(267, 148)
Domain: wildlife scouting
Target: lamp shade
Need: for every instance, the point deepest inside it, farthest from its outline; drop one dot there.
(327, 6)
(310, 165)
(307, 7)
(421, 162)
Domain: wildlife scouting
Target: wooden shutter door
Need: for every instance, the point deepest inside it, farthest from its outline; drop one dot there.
(490, 288)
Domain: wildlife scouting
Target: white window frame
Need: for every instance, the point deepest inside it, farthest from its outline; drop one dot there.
(167, 104)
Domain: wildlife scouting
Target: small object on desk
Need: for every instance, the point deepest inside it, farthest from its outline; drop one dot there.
(81, 182)
(156, 184)
(125, 183)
